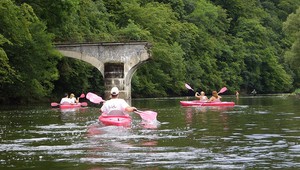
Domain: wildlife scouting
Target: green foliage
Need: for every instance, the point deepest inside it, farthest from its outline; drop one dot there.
(169, 78)
(256, 26)
(30, 53)
(77, 77)
(7, 73)
(134, 32)
(292, 56)
(206, 43)
(297, 91)
(260, 59)
(74, 20)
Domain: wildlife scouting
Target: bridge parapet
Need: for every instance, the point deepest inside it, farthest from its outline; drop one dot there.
(117, 62)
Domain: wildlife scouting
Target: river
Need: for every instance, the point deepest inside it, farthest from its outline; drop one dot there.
(259, 132)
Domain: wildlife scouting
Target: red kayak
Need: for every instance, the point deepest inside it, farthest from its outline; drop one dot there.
(115, 120)
(70, 106)
(199, 103)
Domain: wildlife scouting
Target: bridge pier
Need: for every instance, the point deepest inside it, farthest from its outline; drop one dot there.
(117, 62)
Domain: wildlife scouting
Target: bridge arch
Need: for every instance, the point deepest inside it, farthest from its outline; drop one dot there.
(117, 62)
(89, 59)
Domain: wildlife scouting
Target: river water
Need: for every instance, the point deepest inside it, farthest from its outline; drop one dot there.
(260, 132)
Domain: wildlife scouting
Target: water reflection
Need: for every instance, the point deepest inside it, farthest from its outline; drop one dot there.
(203, 114)
(115, 143)
(71, 114)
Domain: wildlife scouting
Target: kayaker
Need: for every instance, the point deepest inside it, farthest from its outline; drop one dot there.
(202, 96)
(65, 100)
(73, 99)
(215, 97)
(116, 106)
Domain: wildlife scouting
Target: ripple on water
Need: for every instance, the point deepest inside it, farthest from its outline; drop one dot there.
(262, 112)
(295, 149)
(172, 157)
(82, 141)
(262, 136)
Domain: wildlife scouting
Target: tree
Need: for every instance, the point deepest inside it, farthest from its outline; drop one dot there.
(7, 73)
(209, 44)
(255, 24)
(292, 28)
(30, 53)
(214, 60)
(77, 77)
(74, 20)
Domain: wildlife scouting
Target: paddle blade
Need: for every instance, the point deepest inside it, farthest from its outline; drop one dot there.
(82, 95)
(188, 87)
(88, 95)
(148, 116)
(222, 90)
(84, 104)
(94, 98)
(54, 104)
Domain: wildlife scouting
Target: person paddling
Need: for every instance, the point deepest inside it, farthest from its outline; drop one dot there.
(215, 97)
(65, 99)
(73, 99)
(201, 97)
(116, 106)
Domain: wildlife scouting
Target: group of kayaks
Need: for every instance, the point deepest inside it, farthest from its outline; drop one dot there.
(125, 120)
(110, 120)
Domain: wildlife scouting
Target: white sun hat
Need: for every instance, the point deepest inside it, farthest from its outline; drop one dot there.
(114, 91)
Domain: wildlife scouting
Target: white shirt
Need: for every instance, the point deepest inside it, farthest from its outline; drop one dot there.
(65, 100)
(73, 100)
(114, 105)
(203, 98)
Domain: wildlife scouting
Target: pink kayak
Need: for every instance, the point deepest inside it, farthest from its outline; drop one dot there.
(198, 103)
(70, 106)
(115, 120)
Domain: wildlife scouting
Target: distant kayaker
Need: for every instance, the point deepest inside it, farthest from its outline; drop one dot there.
(116, 106)
(65, 99)
(253, 92)
(215, 97)
(202, 96)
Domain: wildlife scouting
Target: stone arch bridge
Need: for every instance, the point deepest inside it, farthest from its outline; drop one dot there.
(117, 62)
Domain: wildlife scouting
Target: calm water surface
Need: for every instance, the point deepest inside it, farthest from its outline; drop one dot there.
(258, 133)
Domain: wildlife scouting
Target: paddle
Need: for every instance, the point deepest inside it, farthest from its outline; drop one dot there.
(222, 90)
(94, 98)
(189, 87)
(148, 115)
(82, 95)
(54, 104)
